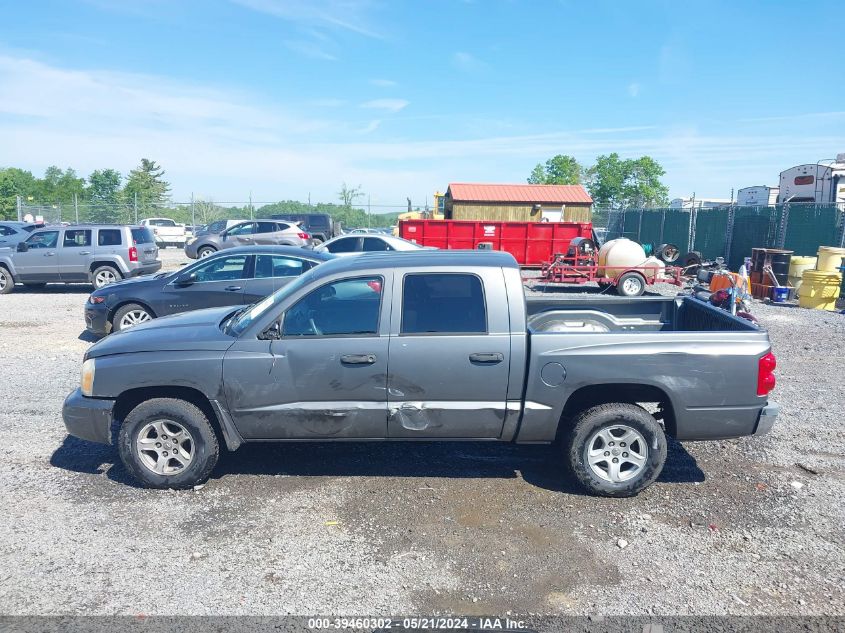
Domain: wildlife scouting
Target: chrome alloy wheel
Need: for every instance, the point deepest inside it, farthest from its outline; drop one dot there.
(165, 447)
(104, 278)
(134, 317)
(616, 453)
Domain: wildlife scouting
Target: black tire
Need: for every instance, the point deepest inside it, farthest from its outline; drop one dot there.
(668, 253)
(7, 281)
(607, 416)
(102, 272)
(208, 250)
(126, 309)
(630, 285)
(205, 446)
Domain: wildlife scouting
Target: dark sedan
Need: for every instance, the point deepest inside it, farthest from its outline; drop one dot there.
(235, 276)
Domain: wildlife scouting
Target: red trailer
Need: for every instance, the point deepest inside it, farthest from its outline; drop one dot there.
(532, 243)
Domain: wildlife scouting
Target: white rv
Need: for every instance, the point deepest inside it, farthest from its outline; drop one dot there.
(759, 196)
(822, 182)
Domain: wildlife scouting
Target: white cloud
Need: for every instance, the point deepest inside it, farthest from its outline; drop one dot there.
(467, 62)
(383, 83)
(343, 15)
(634, 89)
(390, 105)
(226, 143)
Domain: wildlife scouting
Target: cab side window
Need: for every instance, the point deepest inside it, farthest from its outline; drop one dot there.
(108, 237)
(76, 237)
(347, 307)
(45, 239)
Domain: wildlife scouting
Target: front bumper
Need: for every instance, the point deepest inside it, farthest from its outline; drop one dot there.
(97, 318)
(191, 250)
(767, 418)
(88, 418)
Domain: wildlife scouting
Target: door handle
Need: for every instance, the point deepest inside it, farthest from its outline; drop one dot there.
(358, 359)
(486, 358)
(49, 254)
(232, 288)
(84, 252)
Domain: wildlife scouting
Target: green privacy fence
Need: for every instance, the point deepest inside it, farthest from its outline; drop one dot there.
(729, 231)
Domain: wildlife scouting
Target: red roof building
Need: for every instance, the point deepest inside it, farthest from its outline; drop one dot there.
(473, 201)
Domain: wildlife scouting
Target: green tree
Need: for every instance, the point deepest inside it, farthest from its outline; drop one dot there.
(558, 170)
(146, 182)
(631, 182)
(348, 195)
(59, 187)
(15, 182)
(104, 195)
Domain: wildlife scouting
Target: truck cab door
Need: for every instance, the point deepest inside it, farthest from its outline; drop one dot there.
(326, 376)
(449, 355)
(39, 263)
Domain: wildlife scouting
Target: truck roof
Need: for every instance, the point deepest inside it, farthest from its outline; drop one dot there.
(410, 259)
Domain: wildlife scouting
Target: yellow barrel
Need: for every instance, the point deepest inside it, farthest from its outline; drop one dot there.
(830, 258)
(820, 289)
(797, 266)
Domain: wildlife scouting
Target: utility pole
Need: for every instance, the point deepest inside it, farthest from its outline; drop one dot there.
(76, 207)
(368, 210)
(19, 204)
(135, 204)
(251, 216)
(193, 211)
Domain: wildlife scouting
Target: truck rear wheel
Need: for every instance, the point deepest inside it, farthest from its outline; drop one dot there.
(168, 443)
(616, 450)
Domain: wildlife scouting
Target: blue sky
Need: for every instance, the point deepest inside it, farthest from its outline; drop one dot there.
(288, 98)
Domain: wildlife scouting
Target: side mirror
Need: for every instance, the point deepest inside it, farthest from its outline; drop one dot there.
(23, 247)
(272, 333)
(186, 279)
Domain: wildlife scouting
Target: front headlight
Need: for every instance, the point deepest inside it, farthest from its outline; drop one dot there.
(191, 240)
(86, 382)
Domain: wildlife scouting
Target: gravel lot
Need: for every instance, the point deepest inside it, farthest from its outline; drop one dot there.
(751, 526)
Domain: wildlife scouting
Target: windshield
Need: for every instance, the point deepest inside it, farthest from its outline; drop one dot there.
(244, 317)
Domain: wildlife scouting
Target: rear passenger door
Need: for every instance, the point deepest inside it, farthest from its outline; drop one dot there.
(74, 255)
(268, 232)
(271, 273)
(449, 355)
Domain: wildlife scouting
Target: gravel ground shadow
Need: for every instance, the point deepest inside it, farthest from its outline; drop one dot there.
(537, 465)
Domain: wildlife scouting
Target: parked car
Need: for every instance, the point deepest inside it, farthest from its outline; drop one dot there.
(233, 277)
(246, 234)
(167, 232)
(355, 244)
(218, 226)
(13, 232)
(319, 225)
(83, 253)
(427, 346)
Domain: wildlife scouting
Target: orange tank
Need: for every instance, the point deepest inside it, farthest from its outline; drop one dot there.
(722, 282)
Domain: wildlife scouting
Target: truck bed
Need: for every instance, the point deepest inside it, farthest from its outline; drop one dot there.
(640, 314)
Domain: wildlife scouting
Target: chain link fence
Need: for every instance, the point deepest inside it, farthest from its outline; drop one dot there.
(729, 231)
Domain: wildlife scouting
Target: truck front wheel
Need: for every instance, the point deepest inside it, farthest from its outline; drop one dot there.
(168, 443)
(616, 450)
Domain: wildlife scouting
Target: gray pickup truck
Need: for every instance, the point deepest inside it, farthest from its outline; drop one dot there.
(439, 345)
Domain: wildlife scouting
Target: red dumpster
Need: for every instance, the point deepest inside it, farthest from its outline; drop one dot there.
(531, 243)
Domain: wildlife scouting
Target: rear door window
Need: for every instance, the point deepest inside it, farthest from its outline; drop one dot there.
(443, 304)
(109, 237)
(344, 245)
(267, 227)
(76, 237)
(269, 266)
(373, 244)
(143, 235)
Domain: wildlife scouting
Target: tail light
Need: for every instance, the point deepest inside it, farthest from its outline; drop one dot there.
(765, 374)
(304, 236)
(133, 254)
